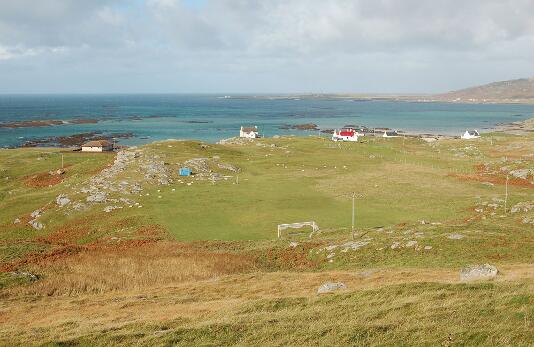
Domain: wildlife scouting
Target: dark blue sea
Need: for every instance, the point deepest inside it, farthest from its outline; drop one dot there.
(212, 117)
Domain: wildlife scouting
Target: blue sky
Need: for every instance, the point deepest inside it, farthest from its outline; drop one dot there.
(256, 46)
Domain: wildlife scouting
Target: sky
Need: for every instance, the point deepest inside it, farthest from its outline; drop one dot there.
(262, 46)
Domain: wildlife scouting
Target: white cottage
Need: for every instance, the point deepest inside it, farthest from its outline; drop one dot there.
(470, 134)
(97, 146)
(249, 132)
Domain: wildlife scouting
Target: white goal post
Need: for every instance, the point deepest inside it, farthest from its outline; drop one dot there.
(282, 227)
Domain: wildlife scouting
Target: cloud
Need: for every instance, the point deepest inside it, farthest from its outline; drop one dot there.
(275, 45)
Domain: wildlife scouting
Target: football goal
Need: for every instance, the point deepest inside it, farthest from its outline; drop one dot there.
(312, 224)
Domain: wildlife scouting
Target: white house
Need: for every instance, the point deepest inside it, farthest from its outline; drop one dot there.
(97, 146)
(390, 133)
(345, 134)
(249, 132)
(470, 134)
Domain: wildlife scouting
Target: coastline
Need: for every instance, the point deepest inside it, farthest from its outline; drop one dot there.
(520, 128)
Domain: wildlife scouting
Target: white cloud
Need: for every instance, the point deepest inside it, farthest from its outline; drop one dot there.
(275, 45)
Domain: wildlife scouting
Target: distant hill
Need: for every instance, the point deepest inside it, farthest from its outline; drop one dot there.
(520, 91)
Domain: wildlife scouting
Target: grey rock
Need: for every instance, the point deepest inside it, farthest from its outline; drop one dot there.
(97, 197)
(455, 236)
(395, 245)
(36, 213)
(521, 173)
(411, 244)
(36, 224)
(428, 248)
(293, 244)
(78, 206)
(228, 167)
(25, 274)
(478, 272)
(111, 208)
(16, 221)
(354, 245)
(522, 207)
(62, 200)
(330, 287)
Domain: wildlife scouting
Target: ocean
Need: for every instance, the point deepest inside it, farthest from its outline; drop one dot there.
(212, 117)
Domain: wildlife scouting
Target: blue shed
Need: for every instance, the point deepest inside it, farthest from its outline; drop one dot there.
(184, 171)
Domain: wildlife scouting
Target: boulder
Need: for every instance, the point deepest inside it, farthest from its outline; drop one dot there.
(108, 209)
(455, 236)
(229, 167)
(522, 207)
(36, 213)
(97, 197)
(478, 272)
(521, 173)
(330, 287)
(62, 200)
(354, 245)
(36, 224)
(411, 244)
(16, 221)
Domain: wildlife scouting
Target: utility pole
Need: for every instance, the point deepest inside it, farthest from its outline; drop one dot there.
(506, 194)
(353, 196)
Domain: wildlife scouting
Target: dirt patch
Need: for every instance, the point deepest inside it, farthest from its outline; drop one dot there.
(68, 233)
(152, 231)
(288, 258)
(43, 179)
(41, 258)
(498, 180)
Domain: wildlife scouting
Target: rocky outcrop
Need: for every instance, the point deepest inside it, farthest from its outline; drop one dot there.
(478, 272)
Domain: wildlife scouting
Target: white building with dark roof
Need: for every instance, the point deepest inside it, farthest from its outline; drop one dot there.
(249, 132)
(470, 134)
(97, 146)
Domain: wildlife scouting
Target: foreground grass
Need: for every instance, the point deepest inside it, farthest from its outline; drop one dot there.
(481, 314)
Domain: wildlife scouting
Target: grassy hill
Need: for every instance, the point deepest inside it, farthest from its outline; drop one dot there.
(120, 249)
(513, 91)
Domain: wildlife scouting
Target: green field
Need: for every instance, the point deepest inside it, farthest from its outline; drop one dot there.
(423, 211)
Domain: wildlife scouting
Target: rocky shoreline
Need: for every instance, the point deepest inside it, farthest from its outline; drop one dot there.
(46, 123)
(74, 140)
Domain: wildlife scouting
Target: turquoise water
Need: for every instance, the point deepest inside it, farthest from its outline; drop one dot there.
(170, 116)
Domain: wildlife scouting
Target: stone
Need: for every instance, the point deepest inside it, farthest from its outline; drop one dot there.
(330, 256)
(25, 274)
(293, 244)
(411, 244)
(330, 287)
(455, 236)
(16, 221)
(111, 208)
(354, 245)
(36, 224)
(228, 167)
(522, 207)
(36, 213)
(97, 197)
(521, 173)
(428, 248)
(478, 272)
(62, 200)
(395, 245)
